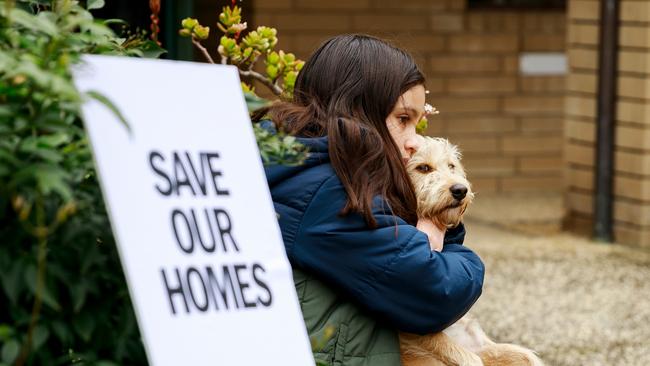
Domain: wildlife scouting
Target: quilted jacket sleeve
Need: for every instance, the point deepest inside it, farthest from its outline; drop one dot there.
(389, 270)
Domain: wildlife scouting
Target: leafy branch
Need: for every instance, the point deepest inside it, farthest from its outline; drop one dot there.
(281, 68)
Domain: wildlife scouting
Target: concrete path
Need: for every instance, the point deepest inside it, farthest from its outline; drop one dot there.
(574, 301)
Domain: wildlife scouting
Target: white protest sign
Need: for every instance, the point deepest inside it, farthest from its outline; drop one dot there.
(192, 214)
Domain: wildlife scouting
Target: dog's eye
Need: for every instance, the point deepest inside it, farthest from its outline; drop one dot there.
(452, 166)
(423, 168)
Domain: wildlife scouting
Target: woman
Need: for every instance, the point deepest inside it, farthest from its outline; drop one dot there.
(361, 266)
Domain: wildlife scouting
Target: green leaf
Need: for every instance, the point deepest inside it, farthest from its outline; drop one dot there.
(11, 281)
(54, 140)
(116, 21)
(41, 334)
(78, 294)
(35, 23)
(5, 331)
(96, 29)
(105, 363)
(46, 294)
(253, 102)
(62, 332)
(10, 351)
(50, 179)
(150, 49)
(95, 4)
(108, 104)
(84, 324)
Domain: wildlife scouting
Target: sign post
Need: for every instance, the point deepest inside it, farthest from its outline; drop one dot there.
(192, 215)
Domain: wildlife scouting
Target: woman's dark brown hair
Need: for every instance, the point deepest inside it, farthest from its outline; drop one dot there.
(346, 90)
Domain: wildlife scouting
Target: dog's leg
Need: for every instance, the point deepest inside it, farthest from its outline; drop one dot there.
(503, 354)
(435, 349)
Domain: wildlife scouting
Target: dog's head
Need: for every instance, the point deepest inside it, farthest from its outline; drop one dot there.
(441, 187)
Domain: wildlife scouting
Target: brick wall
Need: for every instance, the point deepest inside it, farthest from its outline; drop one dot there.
(632, 143)
(509, 126)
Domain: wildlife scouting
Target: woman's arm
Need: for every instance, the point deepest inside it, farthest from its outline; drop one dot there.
(389, 270)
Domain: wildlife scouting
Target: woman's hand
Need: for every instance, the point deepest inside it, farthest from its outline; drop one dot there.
(435, 234)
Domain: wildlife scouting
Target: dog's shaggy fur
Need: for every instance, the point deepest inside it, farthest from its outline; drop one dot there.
(443, 194)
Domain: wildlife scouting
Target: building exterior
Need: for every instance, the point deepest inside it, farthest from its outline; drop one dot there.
(509, 126)
(519, 133)
(632, 126)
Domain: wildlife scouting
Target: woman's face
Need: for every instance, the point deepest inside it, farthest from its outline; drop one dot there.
(401, 121)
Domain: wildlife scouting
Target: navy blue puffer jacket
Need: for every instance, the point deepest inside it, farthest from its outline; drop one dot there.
(390, 270)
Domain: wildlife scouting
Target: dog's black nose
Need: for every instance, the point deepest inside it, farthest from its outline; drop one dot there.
(458, 191)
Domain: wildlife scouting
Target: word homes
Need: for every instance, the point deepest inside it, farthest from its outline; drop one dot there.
(180, 173)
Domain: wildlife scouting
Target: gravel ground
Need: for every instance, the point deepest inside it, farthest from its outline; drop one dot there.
(574, 301)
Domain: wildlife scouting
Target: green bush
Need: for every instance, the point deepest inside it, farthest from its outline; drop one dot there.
(63, 296)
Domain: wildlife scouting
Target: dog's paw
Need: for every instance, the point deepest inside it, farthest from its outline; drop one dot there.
(471, 359)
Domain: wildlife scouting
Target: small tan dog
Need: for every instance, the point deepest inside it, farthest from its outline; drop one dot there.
(443, 194)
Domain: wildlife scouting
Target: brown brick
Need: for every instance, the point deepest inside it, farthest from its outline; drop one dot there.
(634, 87)
(524, 184)
(579, 178)
(476, 145)
(532, 144)
(263, 19)
(583, 59)
(580, 202)
(579, 154)
(534, 105)
(480, 125)
(580, 106)
(464, 64)
(330, 5)
(637, 213)
(634, 188)
(505, 22)
(629, 111)
(421, 43)
(510, 65)
(489, 167)
(410, 5)
(481, 85)
(579, 224)
(542, 84)
(545, 165)
(584, 9)
(580, 130)
(482, 185)
(634, 163)
(435, 127)
(634, 36)
(634, 61)
(583, 34)
(305, 43)
(633, 137)
(632, 236)
(300, 22)
(544, 22)
(541, 124)
(384, 22)
(491, 43)
(465, 105)
(435, 86)
(447, 22)
(635, 11)
(544, 42)
(272, 5)
(584, 83)
(456, 5)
